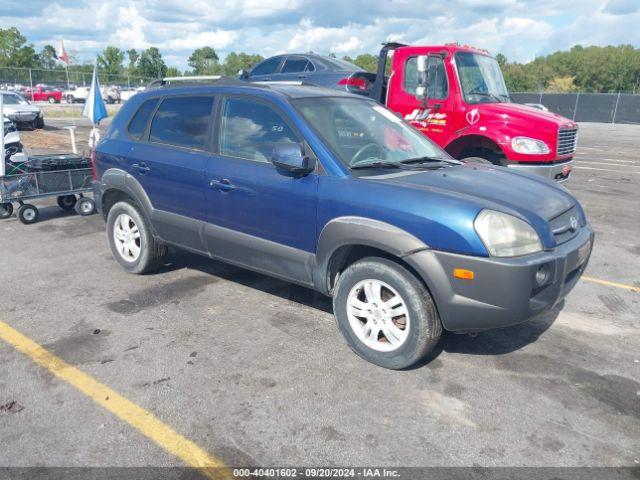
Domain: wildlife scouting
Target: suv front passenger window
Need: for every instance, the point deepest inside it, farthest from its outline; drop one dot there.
(251, 130)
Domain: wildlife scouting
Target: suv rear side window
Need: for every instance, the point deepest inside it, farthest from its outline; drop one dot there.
(182, 122)
(250, 130)
(138, 124)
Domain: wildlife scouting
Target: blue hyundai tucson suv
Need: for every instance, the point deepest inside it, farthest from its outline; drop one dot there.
(332, 191)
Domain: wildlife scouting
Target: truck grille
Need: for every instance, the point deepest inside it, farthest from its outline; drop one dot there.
(565, 226)
(567, 141)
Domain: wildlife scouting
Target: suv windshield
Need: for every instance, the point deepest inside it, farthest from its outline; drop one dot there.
(362, 132)
(481, 78)
(13, 99)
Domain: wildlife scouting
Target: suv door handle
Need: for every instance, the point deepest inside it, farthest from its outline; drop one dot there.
(142, 168)
(302, 76)
(223, 185)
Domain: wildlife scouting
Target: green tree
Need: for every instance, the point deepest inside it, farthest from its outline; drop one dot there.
(366, 61)
(239, 61)
(204, 61)
(133, 56)
(110, 61)
(151, 64)
(173, 72)
(47, 58)
(14, 49)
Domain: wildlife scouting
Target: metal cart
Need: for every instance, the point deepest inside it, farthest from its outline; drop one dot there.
(66, 176)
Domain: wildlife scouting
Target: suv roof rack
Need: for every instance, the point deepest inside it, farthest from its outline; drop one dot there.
(162, 82)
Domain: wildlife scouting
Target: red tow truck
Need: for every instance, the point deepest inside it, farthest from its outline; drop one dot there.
(457, 97)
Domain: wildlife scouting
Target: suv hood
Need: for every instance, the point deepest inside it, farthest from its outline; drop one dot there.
(531, 197)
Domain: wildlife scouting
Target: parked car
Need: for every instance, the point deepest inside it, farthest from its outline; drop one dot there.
(20, 111)
(110, 94)
(456, 96)
(332, 191)
(317, 69)
(127, 92)
(12, 144)
(42, 93)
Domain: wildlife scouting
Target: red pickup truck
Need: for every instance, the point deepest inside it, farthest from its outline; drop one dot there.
(41, 93)
(456, 96)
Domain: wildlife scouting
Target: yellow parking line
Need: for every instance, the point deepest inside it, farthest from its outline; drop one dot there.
(149, 425)
(611, 284)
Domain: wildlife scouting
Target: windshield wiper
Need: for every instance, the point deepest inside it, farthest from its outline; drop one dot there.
(400, 165)
(427, 159)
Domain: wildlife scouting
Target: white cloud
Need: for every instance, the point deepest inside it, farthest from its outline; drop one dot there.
(521, 29)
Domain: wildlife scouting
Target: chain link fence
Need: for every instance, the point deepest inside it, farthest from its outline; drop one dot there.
(63, 79)
(588, 107)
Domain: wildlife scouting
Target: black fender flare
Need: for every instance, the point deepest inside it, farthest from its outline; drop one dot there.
(115, 179)
(348, 230)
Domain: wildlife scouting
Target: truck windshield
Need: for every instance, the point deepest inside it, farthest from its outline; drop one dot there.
(363, 133)
(481, 78)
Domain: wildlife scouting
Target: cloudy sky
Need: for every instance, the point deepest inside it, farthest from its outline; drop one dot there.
(521, 29)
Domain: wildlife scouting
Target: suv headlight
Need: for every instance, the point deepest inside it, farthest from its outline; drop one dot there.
(505, 235)
(529, 146)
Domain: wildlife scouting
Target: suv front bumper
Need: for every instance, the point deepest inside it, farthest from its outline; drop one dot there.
(504, 291)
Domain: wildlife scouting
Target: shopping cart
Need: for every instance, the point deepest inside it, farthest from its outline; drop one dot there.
(66, 176)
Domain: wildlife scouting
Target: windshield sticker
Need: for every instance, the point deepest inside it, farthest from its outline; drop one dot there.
(473, 116)
(386, 113)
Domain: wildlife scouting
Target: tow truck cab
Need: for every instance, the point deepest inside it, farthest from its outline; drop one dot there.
(457, 97)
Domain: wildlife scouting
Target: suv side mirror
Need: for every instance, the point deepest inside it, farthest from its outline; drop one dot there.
(422, 66)
(242, 73)
(289, 158)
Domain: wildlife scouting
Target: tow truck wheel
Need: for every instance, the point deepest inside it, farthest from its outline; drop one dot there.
(6, 210)
(85, 206)
(67, 202)
(28, 214)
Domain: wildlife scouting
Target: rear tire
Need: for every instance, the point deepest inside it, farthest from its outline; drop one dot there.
(67, 202)
(394, 326)
(131, 239)
(51, 100)
(6, 210)
(28, 214)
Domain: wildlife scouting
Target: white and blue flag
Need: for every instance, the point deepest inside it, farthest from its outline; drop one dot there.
(94, 108)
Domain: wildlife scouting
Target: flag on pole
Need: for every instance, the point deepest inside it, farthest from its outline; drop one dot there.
(63, 56)
(94, 108)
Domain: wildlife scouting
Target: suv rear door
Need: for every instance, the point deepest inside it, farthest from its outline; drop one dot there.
(258, 216)
(169, 159)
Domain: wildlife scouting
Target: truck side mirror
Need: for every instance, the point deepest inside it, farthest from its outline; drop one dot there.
(422, 66)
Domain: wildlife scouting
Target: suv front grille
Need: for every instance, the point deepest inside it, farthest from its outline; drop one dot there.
(565, 226)
(567, 141)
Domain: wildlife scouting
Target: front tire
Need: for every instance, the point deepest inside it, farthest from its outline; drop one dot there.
(28, 214)
(85, 206)
(385, 313)
(51, 100)
(131, 240)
